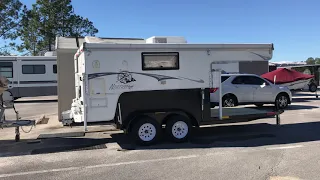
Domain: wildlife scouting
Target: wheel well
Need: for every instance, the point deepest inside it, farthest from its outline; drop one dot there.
(132, 118)
(284, 93)
(231, 95)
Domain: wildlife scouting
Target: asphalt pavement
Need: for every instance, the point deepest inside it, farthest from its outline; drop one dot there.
(255, 150)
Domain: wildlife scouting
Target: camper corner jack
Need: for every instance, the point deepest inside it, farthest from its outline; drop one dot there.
(18, 123)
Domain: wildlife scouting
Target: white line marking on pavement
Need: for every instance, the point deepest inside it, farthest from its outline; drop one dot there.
(285, 147)
(96, 166)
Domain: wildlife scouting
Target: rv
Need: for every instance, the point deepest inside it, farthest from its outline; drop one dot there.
(30, 76)
(141, 87)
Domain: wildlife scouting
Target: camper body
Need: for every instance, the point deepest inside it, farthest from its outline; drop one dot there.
(140, 87)
(30, 76)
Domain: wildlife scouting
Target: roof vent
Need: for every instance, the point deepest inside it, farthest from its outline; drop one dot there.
(158, 39)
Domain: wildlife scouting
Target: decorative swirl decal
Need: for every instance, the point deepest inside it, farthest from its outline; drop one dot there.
(156, 76)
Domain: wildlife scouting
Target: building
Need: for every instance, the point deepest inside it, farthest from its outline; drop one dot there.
(66, 48)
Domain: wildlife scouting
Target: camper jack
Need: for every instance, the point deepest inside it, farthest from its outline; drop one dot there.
(7, 102)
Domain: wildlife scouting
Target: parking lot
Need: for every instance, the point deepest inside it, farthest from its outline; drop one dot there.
(254, 150)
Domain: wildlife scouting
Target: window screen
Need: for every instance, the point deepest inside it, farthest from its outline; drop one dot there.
(33, 69)
(54, 69)
(6, 69)
(160, 61)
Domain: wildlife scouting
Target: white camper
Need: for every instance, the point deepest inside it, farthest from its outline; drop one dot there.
(30, 76)
(143, 86)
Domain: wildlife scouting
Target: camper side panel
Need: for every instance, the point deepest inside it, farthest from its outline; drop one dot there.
(112, 72)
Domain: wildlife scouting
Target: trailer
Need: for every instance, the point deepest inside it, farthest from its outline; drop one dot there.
(143, 87)
(30, 76)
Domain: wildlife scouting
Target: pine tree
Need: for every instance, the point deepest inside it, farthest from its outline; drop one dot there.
(48, 19)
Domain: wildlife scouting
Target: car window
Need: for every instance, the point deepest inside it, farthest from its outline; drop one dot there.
(238, 80)
(253, 80)
(223, 78)
(248, 80)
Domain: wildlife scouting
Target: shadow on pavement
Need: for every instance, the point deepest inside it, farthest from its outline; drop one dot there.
(50, 145)
(290, 107)
(304, 94)
(252, 135)
(308, 99)
(249, 135)
(36, 101)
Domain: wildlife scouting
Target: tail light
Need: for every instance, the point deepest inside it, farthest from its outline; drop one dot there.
(213, 90)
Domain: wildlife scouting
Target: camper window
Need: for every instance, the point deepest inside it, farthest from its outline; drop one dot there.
(6, 69)
(54, 69)
(33, 69)
(160, 60)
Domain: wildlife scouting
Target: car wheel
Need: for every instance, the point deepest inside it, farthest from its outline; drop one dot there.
(146, 131)
(282, 100)
(229, 101)
(178, 128)
(313, 87)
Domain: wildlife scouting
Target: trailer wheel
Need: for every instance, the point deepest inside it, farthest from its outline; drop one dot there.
(146, 131)
(178, 128)
(313, 87)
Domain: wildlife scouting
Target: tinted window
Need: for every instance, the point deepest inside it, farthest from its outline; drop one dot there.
(33, 69)
(55, 69)
(249, 80)
(255, 80)
(6, 69)
(238, 80)
(223, 78)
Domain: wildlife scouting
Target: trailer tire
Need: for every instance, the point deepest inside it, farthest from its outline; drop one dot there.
(146, 131)
(313, 87)
(178, 128)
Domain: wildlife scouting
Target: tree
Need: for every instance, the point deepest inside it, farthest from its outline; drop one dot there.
(317, 60)
(48, 19)
(10, 19)
(310, 60)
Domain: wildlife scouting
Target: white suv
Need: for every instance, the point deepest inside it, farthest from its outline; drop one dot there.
(240, 89)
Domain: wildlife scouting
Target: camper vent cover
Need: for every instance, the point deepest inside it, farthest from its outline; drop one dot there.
(164, 39)
(160, 40)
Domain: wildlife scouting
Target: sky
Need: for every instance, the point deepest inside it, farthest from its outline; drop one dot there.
(292, 25)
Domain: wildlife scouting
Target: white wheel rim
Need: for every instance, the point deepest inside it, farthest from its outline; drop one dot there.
(147, 132)
(179, 129)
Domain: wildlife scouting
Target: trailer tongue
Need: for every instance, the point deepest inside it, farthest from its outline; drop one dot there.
(7, 102)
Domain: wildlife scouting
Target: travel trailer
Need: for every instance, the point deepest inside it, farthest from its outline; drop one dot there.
(141, 87)
(30, 76)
